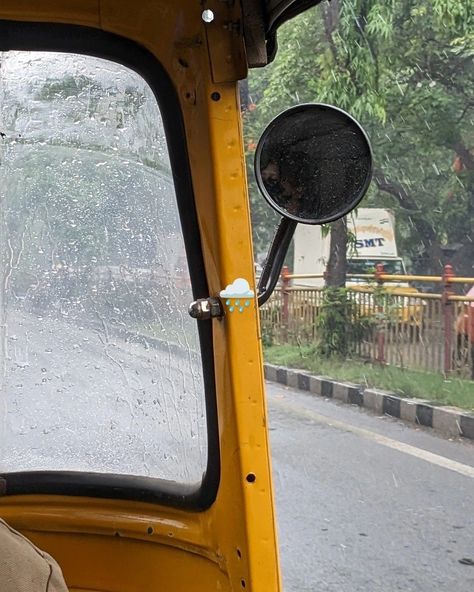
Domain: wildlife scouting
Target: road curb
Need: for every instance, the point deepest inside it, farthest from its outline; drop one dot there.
(449, 421)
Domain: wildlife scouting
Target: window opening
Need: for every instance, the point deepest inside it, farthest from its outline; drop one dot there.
(101, 364)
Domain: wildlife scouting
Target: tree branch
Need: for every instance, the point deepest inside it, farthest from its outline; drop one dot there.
(331, 15)
(424, 229)
(395, 189)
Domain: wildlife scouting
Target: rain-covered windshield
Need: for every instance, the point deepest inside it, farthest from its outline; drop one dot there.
(101, 368)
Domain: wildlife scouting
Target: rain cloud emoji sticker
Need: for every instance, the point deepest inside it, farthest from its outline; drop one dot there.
(237, 295)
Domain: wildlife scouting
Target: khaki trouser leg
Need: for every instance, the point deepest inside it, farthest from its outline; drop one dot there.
(24, 567)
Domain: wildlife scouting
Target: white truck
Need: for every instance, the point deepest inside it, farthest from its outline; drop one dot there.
(374, 232)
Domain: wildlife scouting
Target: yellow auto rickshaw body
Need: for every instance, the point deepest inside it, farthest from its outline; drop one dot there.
(223, 539)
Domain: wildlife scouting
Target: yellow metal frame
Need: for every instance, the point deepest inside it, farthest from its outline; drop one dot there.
(123, 545)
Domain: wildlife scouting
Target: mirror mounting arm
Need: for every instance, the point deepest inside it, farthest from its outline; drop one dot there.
(275, 259)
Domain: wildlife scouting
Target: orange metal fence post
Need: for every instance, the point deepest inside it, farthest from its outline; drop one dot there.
(285, 312)
(380, 328)
(448, 320)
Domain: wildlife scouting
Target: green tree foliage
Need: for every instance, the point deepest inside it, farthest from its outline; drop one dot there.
(404, 68)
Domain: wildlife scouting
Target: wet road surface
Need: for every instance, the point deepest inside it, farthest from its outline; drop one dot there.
(367, 503)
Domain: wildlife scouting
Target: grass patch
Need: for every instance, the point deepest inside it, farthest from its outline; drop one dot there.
(405, 383)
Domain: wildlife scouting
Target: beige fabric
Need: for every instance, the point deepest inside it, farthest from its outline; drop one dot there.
(24, 567)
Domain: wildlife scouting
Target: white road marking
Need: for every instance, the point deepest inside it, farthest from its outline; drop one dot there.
(435, 459)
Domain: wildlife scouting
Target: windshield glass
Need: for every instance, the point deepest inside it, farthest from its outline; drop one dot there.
(101, 365)
(390, 266)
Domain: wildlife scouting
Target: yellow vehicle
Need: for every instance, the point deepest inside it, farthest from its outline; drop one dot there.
(401, 305)
(133, 445)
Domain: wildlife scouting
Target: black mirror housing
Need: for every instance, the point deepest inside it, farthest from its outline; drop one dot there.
(313, 165)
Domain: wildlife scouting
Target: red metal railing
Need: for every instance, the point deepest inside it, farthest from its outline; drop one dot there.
(388, 323)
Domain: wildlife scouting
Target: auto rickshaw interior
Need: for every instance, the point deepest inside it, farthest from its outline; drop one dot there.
(133, 440)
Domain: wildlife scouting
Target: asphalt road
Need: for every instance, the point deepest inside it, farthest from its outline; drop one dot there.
(367, 503)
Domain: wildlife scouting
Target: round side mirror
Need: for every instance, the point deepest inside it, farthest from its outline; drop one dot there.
(313, 163)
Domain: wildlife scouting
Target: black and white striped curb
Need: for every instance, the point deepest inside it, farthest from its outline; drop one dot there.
(450, 421)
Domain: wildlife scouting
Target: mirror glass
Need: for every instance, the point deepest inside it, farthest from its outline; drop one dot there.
(313, 163)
